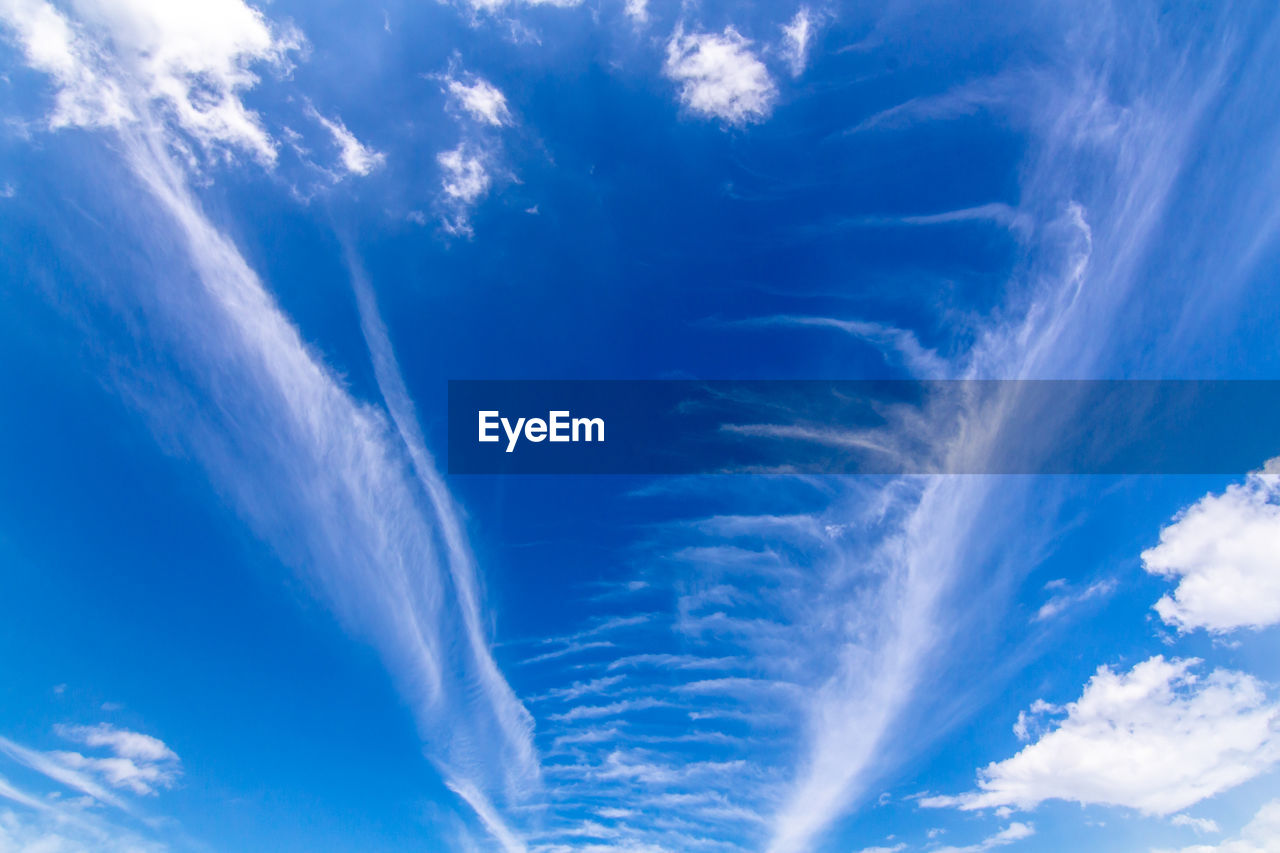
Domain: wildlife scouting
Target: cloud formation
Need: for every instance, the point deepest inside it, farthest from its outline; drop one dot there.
(1012, 833)
(127, 60)
(1224, 551)
(465, 180)
(356, 158)
(480, 99)
(1260, 835)
(1158, 739)
(719, 76)
(797, 36)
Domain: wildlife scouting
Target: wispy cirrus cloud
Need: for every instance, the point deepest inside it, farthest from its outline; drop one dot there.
(356, 157)
(355, 503)
(797, 39)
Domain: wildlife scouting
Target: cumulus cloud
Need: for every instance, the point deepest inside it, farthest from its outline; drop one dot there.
(191, 61)
(357, 158)
(1224, 551)
(797, 36)
(719, 76)
(1260, 835)
(480, 99)
(1158, 738)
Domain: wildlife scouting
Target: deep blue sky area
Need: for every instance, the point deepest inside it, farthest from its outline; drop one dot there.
(244, 605)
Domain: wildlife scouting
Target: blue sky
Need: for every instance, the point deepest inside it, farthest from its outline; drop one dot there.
(245, 246)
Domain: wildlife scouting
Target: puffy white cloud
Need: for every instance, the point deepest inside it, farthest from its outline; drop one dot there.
(719, 76)
(1225, 552)
(1260, 835)
(465, 181)
(357, 158)
(796, 38)
(483, 101)
(1157, 738)
(117, 58)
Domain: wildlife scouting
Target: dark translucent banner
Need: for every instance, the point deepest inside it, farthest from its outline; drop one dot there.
(862, 427)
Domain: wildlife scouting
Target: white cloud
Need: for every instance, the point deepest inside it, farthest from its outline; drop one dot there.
(140, 777)
(719, 76)
(465, 181)
(122, 742)
(340, 490)
(894, 849)
(1260, 835)
(138, 762)
(190, 60)
(1199, 824)
(1011, 833)
(796, 38)
(483, 101)
(1059, 603)
(357, 158)
(637, 11)
(1225, 553)
(900, 344)
(1157, 738)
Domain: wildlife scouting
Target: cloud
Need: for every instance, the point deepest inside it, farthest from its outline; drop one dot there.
(357, 158)
(1260, 835)
(136, 762)
(493, 6)
(999, 91)
(122, 742)
(139, 762)
(340, 489)
(901, 344)
(1223, 551)
(465, 180)
(796, 38)
(719, 76)
(191, 62)
(1199, 824)
(480, 99)
(1011, 833)
(1064, 601)
(1157, 739)
(637, 11)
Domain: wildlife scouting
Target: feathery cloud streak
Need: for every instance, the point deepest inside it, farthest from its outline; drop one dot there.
(344, 495)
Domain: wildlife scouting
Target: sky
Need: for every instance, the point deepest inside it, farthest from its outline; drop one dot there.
(245, 246)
